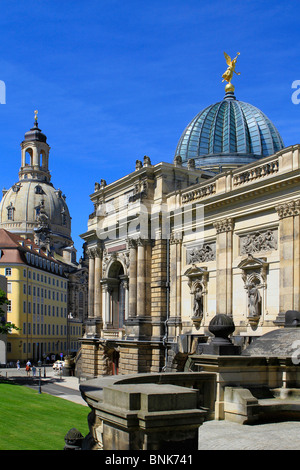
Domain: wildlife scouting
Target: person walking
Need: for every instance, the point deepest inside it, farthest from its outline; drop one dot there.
(18, 364)
(28, 368)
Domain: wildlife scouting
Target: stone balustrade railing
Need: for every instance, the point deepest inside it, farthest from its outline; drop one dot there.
(259, 171)
(199, 193)
(284, 161)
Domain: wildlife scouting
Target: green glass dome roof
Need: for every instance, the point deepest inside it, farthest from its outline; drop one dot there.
(230, 132)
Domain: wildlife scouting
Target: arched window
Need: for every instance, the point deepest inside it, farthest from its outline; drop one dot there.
(63, 217)
(28, 157)
(10, 212)
(38, 189)
(43, 160)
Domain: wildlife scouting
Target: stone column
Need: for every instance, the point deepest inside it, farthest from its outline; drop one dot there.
(91, 283)
(132, 278)
(141, 278)
(97, 286)
(289, 291)
(224, 229)
(175, 287)
(126, 288)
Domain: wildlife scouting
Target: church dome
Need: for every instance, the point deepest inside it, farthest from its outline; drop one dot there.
(22, 203)
(33, 207)
(229, 133)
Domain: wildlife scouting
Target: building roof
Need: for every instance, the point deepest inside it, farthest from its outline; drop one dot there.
(229, 132)
(16, 249)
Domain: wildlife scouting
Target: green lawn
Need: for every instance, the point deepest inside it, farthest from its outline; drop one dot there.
(33, 421)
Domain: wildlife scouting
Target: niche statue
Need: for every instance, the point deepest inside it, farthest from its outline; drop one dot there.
(198, 302)
(254, 301)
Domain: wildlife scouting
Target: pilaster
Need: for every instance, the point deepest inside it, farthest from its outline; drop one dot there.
(224, 229)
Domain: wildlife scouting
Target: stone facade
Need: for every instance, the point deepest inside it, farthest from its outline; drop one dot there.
(179, 245)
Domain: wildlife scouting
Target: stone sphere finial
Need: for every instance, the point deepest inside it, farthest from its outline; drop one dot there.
(221, 326)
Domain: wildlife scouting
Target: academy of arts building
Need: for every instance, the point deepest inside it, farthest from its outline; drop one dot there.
(214, 231)
(167, 247)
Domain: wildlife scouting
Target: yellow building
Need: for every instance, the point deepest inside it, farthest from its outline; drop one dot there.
(37, 292)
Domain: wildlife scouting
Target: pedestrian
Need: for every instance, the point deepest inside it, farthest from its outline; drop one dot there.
(28, 369)
(33, 370)
(18, 364)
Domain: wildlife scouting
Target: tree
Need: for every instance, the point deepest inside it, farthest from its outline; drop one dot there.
(5, 327)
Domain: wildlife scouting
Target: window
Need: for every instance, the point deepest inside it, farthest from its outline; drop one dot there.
(10, 212)
(7, 271)
(9, 306)
(9, 287)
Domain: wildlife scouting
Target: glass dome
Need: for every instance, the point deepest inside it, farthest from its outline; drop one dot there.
(229, 133)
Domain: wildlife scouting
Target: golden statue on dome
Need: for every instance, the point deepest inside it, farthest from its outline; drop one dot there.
(227, 76)
(35, 115)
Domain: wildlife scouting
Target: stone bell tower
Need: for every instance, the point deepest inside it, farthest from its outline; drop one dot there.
(35, 155)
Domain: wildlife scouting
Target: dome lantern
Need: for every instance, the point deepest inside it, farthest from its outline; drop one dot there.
(35, 154)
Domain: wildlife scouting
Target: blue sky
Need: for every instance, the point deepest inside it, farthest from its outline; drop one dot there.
(114, 81)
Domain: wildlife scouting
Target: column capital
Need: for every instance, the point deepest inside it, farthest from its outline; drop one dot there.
(94, 251)
(131, 243)
(175, 238)
(224, 225)
(288, 209)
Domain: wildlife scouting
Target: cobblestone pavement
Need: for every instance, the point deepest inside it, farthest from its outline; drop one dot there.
(224, 435)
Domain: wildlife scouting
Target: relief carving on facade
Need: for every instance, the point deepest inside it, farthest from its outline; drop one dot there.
(201, 253)
(123, 257)
(259, 241)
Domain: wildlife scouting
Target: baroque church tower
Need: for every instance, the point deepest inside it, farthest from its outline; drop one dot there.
(34, 209)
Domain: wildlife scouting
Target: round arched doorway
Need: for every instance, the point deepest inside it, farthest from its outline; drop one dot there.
(116, 286)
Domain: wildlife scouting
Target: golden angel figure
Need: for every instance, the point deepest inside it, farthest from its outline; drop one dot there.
(227, 76)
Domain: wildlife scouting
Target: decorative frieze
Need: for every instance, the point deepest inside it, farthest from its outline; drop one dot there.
(259, 241)
(201, 253)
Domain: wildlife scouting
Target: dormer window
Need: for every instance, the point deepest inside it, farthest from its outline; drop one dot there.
(63, 217)
(38, 189)
(10, 212)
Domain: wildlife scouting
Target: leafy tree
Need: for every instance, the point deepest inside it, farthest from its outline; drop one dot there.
(5, 327)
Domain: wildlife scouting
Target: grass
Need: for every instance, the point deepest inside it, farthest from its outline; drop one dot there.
(33, 421)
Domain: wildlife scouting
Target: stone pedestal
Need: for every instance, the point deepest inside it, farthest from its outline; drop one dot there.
(147, 412)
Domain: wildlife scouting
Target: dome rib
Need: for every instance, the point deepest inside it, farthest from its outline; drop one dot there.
(229, 132)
